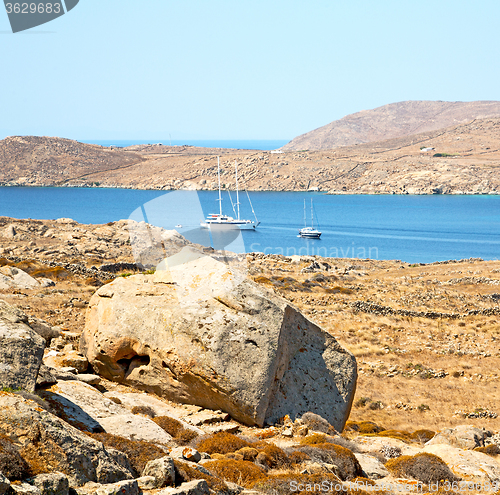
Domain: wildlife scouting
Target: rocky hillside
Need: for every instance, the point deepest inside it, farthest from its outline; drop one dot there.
(52, 161)
(392, 121)
(461, 159)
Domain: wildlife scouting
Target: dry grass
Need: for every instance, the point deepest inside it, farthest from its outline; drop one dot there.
(428, 468)
(184, 472)
(243, 473)
(138, 452)
(12, 465)
(182, 435)
(493, 449)
(283, 483)
(404, 344)
(222, 443)
(342, 457)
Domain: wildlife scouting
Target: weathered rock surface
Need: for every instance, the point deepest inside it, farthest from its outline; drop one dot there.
(368, 445)
(127, 487)
(162, 470)
(86, 407)
(462, 436)
(14, 277)
(468, 464)
(21, 349)
(25, 489)
(199, 334)
(4, 484)
(43, 329)
(52, 483)
(195, 487)
(50, 444)
(69, 358)
(372, 467)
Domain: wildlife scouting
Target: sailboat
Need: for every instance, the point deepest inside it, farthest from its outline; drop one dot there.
(221, 220)
(309, 232)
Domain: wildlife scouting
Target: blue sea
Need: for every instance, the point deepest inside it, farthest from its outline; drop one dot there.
(243, 144)
(409, 228)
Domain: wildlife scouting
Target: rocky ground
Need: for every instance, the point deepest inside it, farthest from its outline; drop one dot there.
(462, 159)
(425, 338)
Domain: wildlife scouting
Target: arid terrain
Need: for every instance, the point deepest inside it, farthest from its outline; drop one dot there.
(395, 120)
(426, 337)
(461, 159)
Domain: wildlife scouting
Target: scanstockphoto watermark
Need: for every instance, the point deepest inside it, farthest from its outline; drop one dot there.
(27, 15)
(350, 251)
(328, 486)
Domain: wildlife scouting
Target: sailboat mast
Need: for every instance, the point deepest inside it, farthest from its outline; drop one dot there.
(305, 221)
(220, 197)
(237, 193)
(312, 216)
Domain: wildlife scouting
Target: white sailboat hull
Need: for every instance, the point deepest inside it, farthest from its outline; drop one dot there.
(230, 225)
(224, 222)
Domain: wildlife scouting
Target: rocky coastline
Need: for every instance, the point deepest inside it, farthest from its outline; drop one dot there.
(462, 159)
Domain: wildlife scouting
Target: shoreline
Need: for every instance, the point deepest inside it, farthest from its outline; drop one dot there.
(6, 220)
(324, 192)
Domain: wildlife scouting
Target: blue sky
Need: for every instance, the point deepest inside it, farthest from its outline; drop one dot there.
(234, 69)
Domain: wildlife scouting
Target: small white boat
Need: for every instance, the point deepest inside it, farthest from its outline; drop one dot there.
(221, 221)
(309, 232)
(178, 226)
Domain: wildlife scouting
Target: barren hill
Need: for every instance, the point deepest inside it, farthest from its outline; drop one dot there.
(50, 161)
(392, 121)
(461, 159)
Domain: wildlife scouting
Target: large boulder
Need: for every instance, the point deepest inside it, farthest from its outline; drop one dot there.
(11, 276)
(198, 333)
(21, 350)
(49, 444)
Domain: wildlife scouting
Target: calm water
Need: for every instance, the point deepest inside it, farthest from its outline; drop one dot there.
(409, 228)
(242, 144)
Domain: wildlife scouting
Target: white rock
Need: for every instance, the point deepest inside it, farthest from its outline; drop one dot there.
(26, 489)
(195, 487)
(463, 436)
(372, 467)
(162, 470)
(373, 444)
(468, 464)
(85, 404)
(186, 453)
(14, 277)
(127, 487)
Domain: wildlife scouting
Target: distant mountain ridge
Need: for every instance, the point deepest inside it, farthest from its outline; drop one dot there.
(392, 121)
